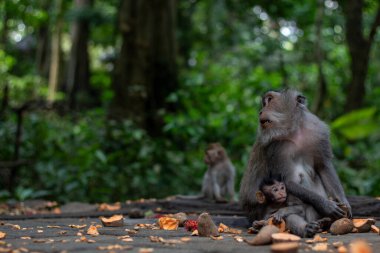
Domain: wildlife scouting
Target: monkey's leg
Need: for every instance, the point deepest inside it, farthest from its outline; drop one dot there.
(298, 226)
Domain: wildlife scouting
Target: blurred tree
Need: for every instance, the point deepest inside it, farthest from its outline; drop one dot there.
(359, 47)
(146, 70)
(55, 52)
(77, 84)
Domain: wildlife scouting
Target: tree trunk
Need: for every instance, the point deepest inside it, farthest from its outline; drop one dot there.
(322, 85)
(359, 48)
(78, 69)
(4, 33)
(145, 72)
(55, 54)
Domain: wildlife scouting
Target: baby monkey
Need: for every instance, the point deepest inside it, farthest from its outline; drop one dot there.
(300, 219)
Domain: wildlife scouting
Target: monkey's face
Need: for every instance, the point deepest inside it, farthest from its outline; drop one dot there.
(212, 156)
(276, 192)
(279, 108)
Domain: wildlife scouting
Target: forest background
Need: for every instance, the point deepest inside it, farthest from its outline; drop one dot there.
(108, 100)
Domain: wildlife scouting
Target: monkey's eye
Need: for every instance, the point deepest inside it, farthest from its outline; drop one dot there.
(301, 99)
(266, 100)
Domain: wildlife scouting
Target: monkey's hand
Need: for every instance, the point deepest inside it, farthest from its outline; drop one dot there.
(277, 217)
(258, 224)
(331, 209)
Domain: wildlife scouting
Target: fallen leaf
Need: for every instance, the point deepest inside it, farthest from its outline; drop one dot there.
(168, 223)
(2, 235)
(92, 230)
(113, 221)
(185, 239)
(195, 233)
(110, 207)
(320, 247)
(125, 238)
(40, 231)
(164, 241)
(146, 250)
(131, 231)
(360, 246)
(53, 226)
(238, 238)
(115, 247)
(317, 238)
(26, 238)
(225, 229)
(77, 226)
(14, 226)
(216, 237)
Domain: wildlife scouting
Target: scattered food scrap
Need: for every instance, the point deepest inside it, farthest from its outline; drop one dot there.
(125, 238)
(146, 250)
(264, 236)
(92, 230)
(115, 247)
(191, 225)
(109, 207)
(317, 238)
(341, 226)
(360, 246)
(320, 247)
(2, 235)
(285, 247)
(285, 237)
(113, 221)
(225, 229)
(168, 223)
(363, 225)
(77, 226)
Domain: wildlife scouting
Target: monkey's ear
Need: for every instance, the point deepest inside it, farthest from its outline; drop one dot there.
(260, 197)
(301, 100)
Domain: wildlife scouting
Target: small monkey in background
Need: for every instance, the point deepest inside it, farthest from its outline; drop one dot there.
(300, 219)
(219, 180)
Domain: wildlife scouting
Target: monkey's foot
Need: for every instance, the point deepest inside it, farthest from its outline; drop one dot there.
(324, 224)
(311, 229)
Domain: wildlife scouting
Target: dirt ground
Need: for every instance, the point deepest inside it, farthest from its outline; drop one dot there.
(56, 235)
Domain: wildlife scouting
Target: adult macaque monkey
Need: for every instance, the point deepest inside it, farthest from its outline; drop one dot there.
(293, 142)
(219, 180)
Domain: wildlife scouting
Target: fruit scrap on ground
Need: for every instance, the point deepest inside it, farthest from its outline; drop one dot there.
(341, 226)
(168, 223)
(114, 221)
(363, 225)
(264, 236)
(191, 225)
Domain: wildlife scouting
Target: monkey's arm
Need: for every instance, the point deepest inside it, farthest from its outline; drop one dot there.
(279, 157)
(322, 205)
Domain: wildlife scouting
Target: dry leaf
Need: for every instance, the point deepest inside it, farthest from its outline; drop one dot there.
(317, 238)
(168, 223)
(238, 238)
(320, 247)
(14, 226)
(113, 221)
(146, 250)
(337, 244)
(26, 238)
(115, 247)
(77, 226)
(216, 237)
(2, 235)
(40, 231)
(164, 241)
(109, 207)
(53, 226)
(125, 238)
(146, 226)
(185, 239)
(360, 246)
(375, 229)
(195, 233)
(342, 249)
(131, 231)
(92, 230)
(225, 229)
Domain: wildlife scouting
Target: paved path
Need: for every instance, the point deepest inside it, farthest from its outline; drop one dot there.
(34, 235)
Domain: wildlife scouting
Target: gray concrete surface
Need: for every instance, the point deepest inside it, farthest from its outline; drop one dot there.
(45, 239)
